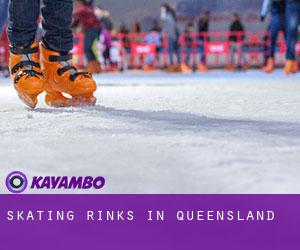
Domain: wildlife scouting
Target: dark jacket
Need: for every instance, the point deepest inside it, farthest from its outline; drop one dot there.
(236, 27)
(84, 14)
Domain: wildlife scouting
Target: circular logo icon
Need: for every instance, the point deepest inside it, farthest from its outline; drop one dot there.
(16, 182)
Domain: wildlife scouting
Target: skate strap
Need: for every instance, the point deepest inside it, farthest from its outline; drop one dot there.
(60, 58)
(29, 73)
(20, 51)
(63, 70)
(75, 75)
(23, 64)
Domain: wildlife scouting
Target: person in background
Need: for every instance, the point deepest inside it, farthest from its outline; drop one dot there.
(104, 18)
(153, 38)
(236, 38)
(115, 52)
(277, 24)
(105, 40)
(188, 47)
(292, 14)
(126, 45)
(203, 28)
(170, 28)
(84, 15)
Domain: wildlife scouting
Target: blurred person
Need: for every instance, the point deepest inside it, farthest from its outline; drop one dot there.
(188, 47)
(153, 38)
(236, 40)
(47, 67)
(203, 28)
(115, 52)
(104, 18)
(126, 45)
(3, 14)
(277, 24)
(170, 28)
(105, 41)
(84, 15)
(136, 37)
(292, 22)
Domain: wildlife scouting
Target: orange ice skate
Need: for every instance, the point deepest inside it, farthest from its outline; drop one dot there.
(290, 67)
(186, 68)
(202, 67)
(63, 78)
(270, 66)
(26, 74)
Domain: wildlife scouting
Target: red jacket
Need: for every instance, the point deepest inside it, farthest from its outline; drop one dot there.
(85, 15)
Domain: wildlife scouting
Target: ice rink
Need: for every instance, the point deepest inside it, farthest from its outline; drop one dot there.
(156, 133)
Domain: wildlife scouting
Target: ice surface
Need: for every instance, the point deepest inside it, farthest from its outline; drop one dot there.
(156, 133)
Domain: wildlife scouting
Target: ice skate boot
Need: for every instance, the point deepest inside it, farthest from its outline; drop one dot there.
(270, 66)
(63, 78)
(289, 67)
(94, 67)
(202, 68)
(26, 74)
(186, 68)
(296, 67)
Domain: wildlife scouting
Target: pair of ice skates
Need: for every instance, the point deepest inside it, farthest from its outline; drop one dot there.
(51, 72)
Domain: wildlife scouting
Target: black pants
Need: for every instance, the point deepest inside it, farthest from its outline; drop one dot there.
(90, 36)
(57, 18)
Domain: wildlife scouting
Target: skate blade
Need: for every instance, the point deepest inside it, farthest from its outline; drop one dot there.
(84, 101)
(29, 101)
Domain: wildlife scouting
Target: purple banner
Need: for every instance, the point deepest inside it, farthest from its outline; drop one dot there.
(149, 222)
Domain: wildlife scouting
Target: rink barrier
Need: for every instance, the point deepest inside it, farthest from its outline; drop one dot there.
(4, 51)
(150, 50)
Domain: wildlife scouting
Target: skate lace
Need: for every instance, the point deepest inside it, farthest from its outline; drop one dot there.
(27, 64)
(64, 61)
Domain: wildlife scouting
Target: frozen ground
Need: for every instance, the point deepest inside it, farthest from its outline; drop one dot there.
(156, 133)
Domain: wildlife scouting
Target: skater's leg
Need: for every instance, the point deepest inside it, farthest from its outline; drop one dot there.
(89, 38)
(24, 64)
(276, 25)
(3, 13)
(171, 50)
(61, 76)
(292, 23)
(57, 21)
(23, 22)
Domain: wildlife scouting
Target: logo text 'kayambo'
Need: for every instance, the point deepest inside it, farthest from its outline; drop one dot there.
(16, 182)
(52, 182)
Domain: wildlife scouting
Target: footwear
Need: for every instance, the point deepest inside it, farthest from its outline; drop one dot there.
(94, 67)
(27, 74)
(289, 66)
(63, 78)
(148, 68)
(270, 66)
(230, 67)
(186, 69)
(296, 67)
(171, 69)
(202, 67)
(245, 67)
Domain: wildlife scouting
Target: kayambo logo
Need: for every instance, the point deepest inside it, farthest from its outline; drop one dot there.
(16, 182)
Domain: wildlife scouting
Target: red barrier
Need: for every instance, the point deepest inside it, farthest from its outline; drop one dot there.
(4, 54)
